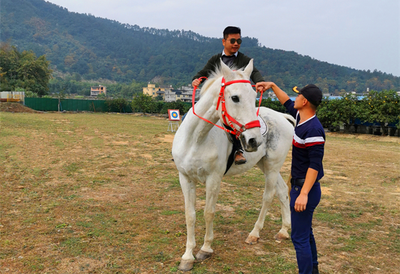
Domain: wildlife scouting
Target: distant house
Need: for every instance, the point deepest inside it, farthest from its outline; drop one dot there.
(152, 91)
(97, 90)
(169, 94)
(185, 94)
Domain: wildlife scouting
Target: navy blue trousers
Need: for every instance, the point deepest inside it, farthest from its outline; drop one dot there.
(302, 233)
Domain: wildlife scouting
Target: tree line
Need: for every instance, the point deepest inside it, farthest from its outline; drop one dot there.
(379, 109)
(24, 71)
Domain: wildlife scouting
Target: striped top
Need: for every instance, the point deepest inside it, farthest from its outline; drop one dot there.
(308, 144)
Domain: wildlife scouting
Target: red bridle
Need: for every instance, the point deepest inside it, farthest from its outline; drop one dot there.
(227, 119)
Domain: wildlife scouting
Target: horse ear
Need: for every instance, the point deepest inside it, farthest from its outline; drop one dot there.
(226, 71)
(249, 69)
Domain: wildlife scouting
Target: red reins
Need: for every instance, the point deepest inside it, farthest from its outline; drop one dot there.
(227, 119)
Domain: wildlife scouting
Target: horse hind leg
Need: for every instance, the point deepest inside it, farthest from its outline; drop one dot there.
(274, 184)
(268, 196)
(283, 196)
(281, 190)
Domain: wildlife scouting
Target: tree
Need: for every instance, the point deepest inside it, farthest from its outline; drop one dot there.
(343, 111)
(349, 110)
(23, 70)
(118, 105)
(143, 103)
(329, 114)
(382, 107)
(272, 104)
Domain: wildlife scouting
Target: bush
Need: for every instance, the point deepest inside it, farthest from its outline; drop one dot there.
(272, 104)
(143, 103)
(328, 113)
(382, 107)
(118, 105)
(335, 112)
(376, 107)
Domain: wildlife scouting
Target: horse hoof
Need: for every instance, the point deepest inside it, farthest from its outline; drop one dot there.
(186, 265)
(251, 240)
(281, 236)
(202, 255)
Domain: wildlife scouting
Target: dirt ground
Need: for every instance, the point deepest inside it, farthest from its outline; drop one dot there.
(99, 193)
(15, 108)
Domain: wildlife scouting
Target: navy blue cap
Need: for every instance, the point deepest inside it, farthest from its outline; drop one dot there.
(311, 92)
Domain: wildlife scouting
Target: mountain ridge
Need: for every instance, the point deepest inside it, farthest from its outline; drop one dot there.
(95, 48)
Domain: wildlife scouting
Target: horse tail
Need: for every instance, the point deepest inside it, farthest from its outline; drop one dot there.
(290, 119)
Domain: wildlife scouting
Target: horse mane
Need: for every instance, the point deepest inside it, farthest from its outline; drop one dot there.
(210, 80)
(217, 73)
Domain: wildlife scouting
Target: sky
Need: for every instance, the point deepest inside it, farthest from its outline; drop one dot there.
(360, 34)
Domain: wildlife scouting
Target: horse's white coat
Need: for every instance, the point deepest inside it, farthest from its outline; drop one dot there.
(201, 150)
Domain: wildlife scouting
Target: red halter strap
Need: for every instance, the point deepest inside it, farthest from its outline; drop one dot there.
(227, 119)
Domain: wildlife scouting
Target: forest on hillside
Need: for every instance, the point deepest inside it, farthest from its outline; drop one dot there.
(83, 50)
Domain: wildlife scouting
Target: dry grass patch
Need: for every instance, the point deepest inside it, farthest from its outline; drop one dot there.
(98, 193)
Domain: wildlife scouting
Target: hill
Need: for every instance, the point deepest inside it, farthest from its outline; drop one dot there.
(95, 48)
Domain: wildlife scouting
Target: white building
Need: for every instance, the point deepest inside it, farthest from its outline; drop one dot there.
(12, 96)
(169, 94)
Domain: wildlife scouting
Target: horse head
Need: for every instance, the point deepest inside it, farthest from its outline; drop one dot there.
(237, 105)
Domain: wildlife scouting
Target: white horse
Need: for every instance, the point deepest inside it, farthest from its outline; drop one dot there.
(201, 151)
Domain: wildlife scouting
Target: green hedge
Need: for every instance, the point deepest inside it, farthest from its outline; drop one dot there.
(376, 108)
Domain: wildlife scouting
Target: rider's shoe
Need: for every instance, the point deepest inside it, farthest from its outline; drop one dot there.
(239, 158)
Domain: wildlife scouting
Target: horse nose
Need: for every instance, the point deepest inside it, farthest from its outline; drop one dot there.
(253, 143)
(250, 144)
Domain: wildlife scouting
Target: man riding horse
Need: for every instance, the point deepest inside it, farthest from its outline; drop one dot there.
(233, 58)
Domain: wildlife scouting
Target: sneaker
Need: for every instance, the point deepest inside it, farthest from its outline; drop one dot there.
(239, 158)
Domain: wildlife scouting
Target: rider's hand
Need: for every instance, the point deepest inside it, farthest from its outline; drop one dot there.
(196, 83)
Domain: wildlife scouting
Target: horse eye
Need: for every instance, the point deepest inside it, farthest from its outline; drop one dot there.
(235, 99)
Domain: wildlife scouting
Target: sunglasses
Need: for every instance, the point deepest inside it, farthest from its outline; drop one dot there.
(233, 40)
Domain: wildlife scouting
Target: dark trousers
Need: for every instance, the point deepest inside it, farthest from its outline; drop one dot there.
(237, 145)
(302, 233)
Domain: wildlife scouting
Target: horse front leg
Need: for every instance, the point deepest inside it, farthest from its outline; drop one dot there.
(212, 191)
(268, 195)
(189, 193)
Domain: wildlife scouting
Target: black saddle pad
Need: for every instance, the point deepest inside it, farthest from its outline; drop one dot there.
(231, 157)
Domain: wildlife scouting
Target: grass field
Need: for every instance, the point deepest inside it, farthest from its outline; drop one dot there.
(98, 193)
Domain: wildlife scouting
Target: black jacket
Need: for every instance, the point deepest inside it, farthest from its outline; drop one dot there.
(240, 61)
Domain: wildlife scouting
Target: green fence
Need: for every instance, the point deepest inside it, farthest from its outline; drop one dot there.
(83, 105)
(42, 104)
(50, 104)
